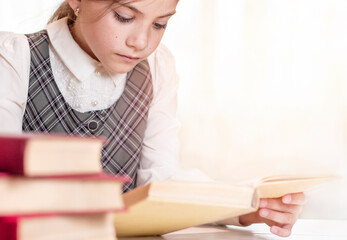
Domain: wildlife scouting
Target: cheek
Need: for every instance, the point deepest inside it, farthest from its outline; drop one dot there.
(101, 40)
(154, 42)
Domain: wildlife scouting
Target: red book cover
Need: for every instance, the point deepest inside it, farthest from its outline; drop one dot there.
(8, 228)
(11, 154)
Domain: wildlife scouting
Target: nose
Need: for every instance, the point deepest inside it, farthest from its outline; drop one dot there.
(138, 39)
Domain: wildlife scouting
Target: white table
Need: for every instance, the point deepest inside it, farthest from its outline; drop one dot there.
(303, 230)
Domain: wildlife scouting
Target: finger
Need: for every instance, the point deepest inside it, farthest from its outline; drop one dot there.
(278, 217)
(294, 198)
(254, 217)
(283, 231)
(269, 222)
(250, 218)
(278, 205)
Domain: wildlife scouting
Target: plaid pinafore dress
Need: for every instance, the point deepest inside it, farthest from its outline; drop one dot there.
(123, 124)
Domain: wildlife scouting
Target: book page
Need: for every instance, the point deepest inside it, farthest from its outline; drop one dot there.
(277, 186)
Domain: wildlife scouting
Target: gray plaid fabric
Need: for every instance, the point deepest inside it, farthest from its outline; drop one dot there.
(123, 124)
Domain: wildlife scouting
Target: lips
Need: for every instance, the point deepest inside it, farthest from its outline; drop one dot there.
(129, 59)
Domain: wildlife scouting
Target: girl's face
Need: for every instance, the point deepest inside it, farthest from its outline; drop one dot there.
(125, 34)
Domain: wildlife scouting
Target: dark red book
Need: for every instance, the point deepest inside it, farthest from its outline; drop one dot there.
(69, 194)
(53, 154)
(65, 227)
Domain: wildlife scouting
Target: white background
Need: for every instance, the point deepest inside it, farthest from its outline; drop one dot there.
(263, 87)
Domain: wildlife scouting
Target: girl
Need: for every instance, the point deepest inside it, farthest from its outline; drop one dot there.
(98, 69)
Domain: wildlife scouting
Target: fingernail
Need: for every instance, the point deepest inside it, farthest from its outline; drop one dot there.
(262, 203)
(274, 230)
(287, 199)
(264, 213)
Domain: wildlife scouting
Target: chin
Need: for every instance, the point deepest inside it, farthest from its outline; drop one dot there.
(121, 71)
(122, 68)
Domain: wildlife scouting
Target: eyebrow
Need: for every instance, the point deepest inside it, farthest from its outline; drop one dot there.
(138, 11)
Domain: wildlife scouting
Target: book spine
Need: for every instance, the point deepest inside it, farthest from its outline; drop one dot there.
(8, 229)
(12, 155)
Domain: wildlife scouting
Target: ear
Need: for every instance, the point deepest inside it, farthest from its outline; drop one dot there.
(74, 4)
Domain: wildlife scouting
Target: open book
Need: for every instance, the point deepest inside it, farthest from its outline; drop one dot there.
(162, 207)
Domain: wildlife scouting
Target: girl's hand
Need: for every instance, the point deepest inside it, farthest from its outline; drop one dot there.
(278, 213)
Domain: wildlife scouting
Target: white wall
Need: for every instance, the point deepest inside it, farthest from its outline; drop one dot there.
(264, 91)
(26, 16)
(263, 87)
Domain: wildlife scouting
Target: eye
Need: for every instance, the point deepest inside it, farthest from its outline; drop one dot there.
(122, 19)
(159, 26)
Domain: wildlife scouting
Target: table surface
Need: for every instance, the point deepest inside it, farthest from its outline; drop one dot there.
(304, 229)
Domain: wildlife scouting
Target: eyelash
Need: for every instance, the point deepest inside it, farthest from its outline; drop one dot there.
(127, 20)
(122, 19)
(160, 26)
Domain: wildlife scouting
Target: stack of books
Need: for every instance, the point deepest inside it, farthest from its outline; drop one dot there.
(52, 187)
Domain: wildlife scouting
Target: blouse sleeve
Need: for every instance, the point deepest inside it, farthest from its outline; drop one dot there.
(14, 77)
(160, 146)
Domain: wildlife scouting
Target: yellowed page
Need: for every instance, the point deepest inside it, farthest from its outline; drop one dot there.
(278, 186)
(153, 217)
(170, 206)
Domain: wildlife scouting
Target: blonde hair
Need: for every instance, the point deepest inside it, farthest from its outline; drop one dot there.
(65, 10)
